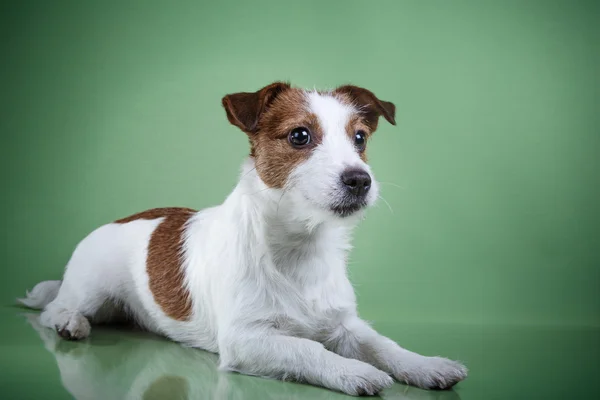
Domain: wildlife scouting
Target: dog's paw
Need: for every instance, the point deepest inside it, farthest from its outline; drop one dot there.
(363, 379)
(77, 327)
(433, 373)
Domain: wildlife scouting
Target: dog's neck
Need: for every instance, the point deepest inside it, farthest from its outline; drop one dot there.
(287, 229)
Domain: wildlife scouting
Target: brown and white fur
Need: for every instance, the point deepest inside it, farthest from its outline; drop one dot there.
(260, 279)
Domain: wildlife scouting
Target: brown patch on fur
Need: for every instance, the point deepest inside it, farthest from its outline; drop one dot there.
(164, 260)
(275, 157)
(370, 106)
(268, 116)
(245, 108)
(355, 124)
(370, 109)
(155, 213)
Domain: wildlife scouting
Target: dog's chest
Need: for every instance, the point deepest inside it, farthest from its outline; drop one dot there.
(317, 310)
(317, 294)
(314, 325)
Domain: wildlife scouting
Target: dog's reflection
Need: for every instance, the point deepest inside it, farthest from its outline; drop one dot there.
(117, 364)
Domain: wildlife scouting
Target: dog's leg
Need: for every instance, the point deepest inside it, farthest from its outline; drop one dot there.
(69, 312)
(97, 273)
(356, 339)
(291, 358)
(78, 301)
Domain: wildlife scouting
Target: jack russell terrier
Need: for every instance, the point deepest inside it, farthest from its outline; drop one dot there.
(260, 279)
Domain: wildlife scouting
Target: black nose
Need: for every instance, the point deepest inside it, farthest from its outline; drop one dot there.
(357, 181)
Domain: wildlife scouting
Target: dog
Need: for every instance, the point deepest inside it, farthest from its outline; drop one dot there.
(260, 279)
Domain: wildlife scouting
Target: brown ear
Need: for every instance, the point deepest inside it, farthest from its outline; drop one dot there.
(370, 104)
(244, 109)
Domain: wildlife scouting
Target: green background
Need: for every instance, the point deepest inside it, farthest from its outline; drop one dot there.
(492, 174)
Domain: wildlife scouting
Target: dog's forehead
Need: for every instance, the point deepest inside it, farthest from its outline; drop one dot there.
(331, 111)
(326, 113)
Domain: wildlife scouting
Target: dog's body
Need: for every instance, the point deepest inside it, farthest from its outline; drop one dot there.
(260, 279)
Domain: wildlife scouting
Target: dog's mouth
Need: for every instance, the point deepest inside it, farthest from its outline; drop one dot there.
(348, 207)
(342, 207)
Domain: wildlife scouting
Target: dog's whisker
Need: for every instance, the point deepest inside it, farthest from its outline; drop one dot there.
(392, 184)
(386, 202)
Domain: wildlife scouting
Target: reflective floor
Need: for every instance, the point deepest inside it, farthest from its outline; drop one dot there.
(505, 362)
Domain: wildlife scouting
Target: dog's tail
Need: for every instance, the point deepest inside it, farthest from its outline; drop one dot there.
(42, 294)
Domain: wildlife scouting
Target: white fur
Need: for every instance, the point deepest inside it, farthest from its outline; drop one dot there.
(266, 272)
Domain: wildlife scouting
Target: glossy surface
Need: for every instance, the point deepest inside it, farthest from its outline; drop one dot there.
(506, 362)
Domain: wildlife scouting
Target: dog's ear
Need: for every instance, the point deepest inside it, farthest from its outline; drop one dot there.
(369, 104)
(244, 109)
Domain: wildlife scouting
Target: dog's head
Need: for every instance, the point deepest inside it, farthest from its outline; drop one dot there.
(312, 144)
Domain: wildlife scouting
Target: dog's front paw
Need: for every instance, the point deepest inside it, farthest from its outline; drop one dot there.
(432, 373)
(363, 379)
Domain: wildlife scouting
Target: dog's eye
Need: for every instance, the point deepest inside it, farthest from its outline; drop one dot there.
(299, 137)
(360, 140)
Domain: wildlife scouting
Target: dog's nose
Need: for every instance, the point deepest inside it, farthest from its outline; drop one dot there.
(357, 181)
